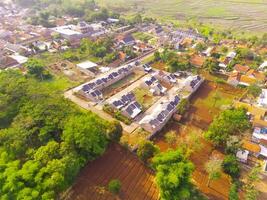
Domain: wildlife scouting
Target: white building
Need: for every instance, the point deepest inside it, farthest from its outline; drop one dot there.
(242, 156)
(88, 67)
(192, 83)
(262, 99)
(159, 115)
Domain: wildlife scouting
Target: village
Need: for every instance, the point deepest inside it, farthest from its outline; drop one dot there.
(145, 74)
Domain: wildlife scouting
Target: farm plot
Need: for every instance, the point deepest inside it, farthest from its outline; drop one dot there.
(249, 15)
(117, 163)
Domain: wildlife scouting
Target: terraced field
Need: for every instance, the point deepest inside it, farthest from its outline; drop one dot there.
(117, 163)
(239, 15)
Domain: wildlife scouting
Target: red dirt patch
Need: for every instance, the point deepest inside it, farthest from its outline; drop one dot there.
(116, 163)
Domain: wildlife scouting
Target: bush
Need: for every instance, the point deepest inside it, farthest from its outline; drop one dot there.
(147, 150)
(115, 132)
(170, 137)
(114, 186)
(231, 166)
(182, 106)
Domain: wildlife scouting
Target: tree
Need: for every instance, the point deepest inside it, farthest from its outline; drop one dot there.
(251, 192)
(230, 166)
(36, 68)
(86, 134)
(200, 47)
(214, 169)
(114, 133)
(173, 174)
(45, 139)
(170, 137)
(114, 186)
(182, 106)
(211, 65)
(147, 150)
(254, 90)
(157, 56)
(228, 123)
(233, 193)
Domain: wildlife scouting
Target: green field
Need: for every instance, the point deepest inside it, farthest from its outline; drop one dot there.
(237, 15)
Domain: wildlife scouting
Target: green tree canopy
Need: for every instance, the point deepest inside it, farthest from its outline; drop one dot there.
(173, 174)
(147, 150)
(44, 139)
(227, 123)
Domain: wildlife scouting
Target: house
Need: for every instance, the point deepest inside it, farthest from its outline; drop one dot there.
(197, 60)
(192, 83)
(257, 114)
(113, 20)
(259, 134)
(262, 99)
(242, 156)
(264, 168)
(245, 76)
(127, 105)
(68, 32)
(147, 68)
(165, 77)
(253, 148)
(153, 85)
(12, 61)
(132, 110)
(230, 56)
(6, 62)
(159, 114)
(83, 27)
(124, 100)
(241, 68)
(88, 68)
(125, 40)
(263, 66)
(141, 47)
(208, 51)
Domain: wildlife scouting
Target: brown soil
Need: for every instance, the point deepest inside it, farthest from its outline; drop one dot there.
(197, 120)
(117, 163)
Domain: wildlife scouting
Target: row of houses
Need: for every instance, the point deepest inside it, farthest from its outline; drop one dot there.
(243, 75)
(128, 105)
(160, 113)
(256, 146)
(92, 90)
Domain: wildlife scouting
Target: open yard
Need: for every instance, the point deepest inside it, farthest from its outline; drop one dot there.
(249, 15)
(122, 84)
(204, 107)
(117, 163)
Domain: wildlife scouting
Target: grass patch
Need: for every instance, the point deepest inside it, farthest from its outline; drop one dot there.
(143, 97)
(135, 138)
(144, 37)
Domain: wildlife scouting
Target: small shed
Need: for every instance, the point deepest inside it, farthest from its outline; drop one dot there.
(242, 156)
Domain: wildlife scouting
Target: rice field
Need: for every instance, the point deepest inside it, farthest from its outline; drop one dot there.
(238, 15)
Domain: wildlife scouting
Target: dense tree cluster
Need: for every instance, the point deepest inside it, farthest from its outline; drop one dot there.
(44, 139)
(227, 123)
(171, 58)
(173, 173)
